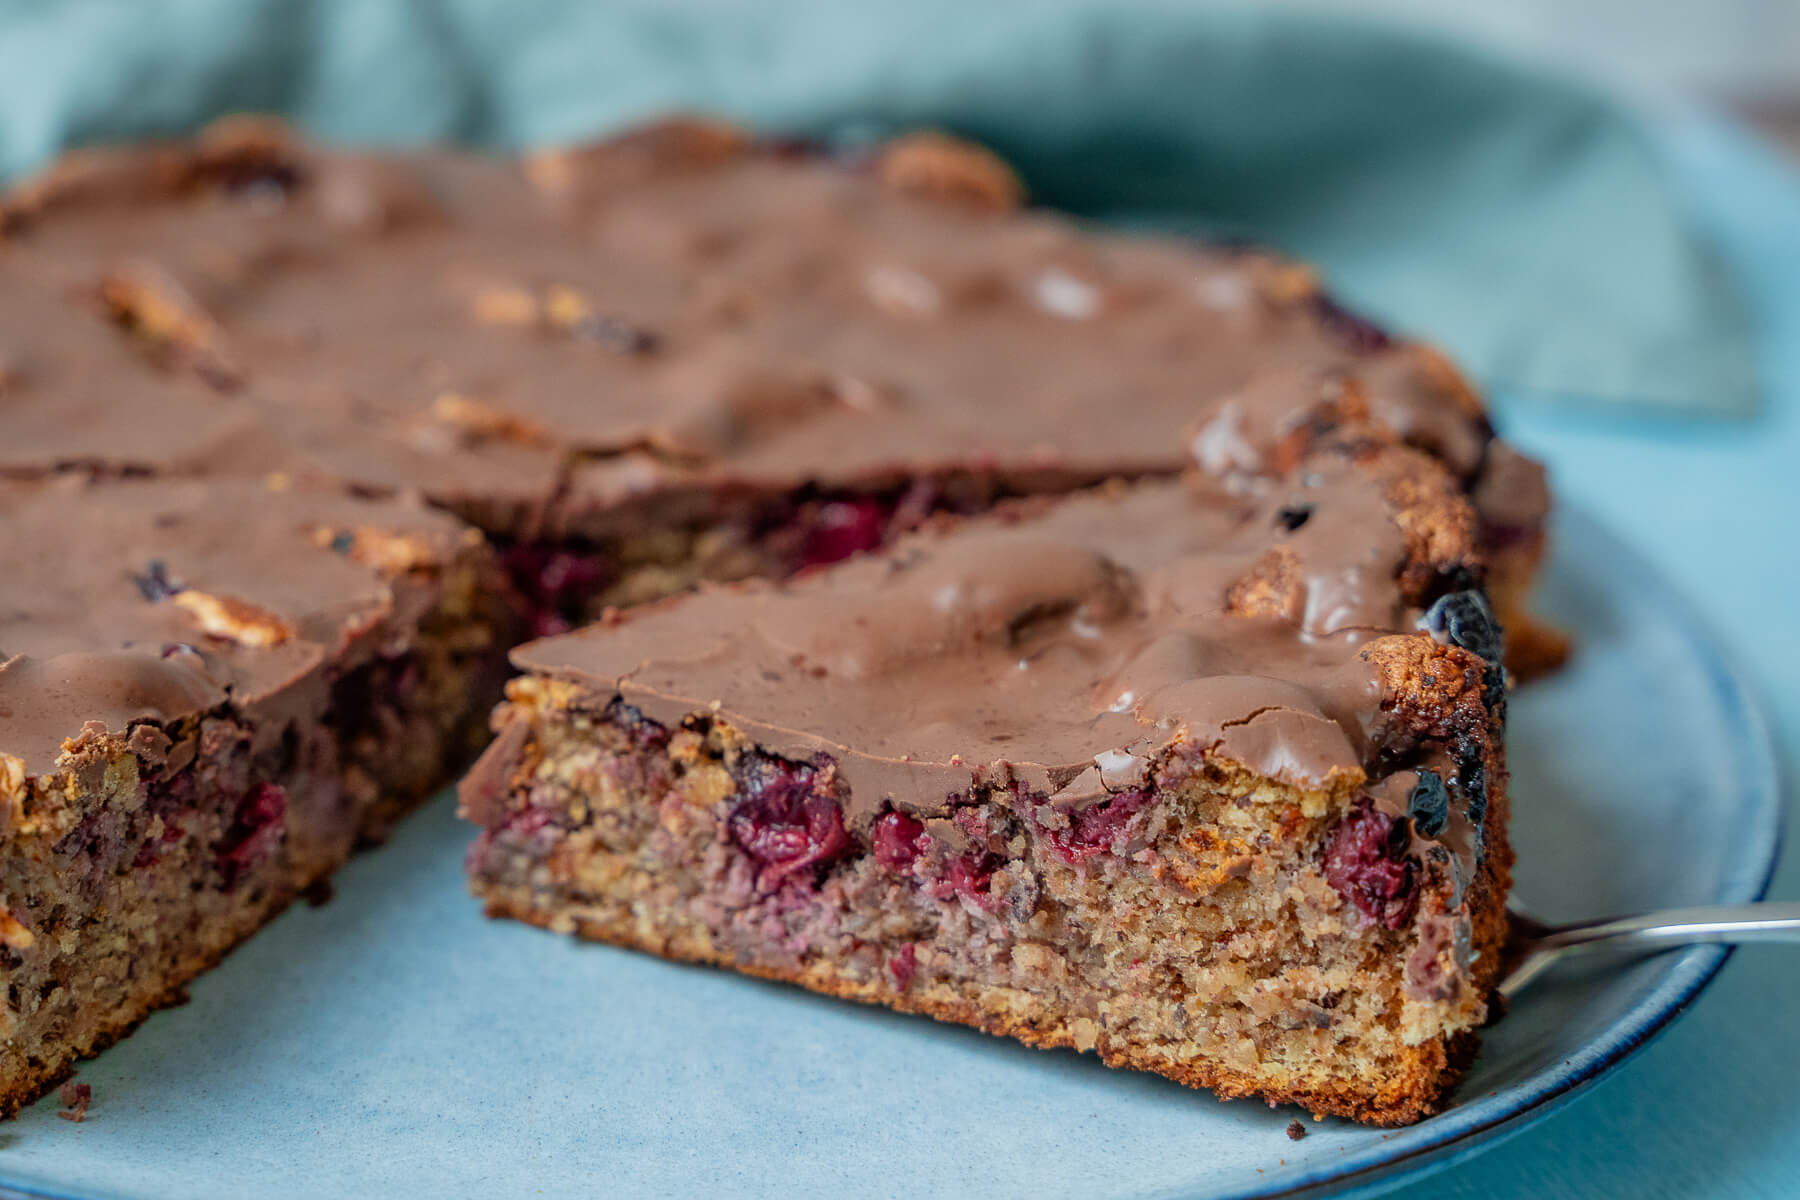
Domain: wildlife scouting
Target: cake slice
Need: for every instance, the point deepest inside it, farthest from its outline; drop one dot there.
(680, 354)
(209, 694)
(1209, 783)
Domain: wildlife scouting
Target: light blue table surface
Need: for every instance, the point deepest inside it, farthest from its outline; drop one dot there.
(1712, 1108)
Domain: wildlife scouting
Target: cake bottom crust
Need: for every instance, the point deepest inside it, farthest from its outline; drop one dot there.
(28, 1080)
(1417, 1089)
(26, 1087)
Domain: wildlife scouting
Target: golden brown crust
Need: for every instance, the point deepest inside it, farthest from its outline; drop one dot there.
(1417, 1089)
(1433, 691)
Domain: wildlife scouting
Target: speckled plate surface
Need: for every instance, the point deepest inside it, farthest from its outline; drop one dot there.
(395, 1042)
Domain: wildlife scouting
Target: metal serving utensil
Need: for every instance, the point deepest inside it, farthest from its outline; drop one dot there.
(1532, 946)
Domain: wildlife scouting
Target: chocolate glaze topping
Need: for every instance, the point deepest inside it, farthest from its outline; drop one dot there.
(663, 324)
(1065, 650)
(659, 319)
(261, 595)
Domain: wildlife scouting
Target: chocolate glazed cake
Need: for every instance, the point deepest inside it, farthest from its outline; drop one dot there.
(1210, 785)
(209, 693)
(329, 428)
(682, 353)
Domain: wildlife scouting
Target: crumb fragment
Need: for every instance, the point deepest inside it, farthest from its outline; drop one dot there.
(565, 307)
(1295, 1131)
(75, 1098)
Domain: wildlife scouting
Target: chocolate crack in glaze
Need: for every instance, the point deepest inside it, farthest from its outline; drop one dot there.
(1062, 648)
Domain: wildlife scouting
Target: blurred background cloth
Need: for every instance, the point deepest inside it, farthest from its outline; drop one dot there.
(1525, 221)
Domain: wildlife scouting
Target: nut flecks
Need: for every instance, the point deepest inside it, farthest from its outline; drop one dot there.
(514, 307)
(1274, 588)
(13, 934)
(1284, 284)
(565, 307)
(233, 619)
(148, 303)
(389, 553)
(484, 422)
(12, 791)
(950, 170)
(563, 310)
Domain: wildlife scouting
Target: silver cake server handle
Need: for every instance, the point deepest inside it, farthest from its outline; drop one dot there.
(1533, 947)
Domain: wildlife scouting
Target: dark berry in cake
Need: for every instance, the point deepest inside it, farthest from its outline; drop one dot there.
(787, 826)
(1366, 861)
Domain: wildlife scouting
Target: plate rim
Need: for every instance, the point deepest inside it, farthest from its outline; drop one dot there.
(1491, 1120)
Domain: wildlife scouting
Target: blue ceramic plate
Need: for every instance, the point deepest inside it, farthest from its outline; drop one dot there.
(395, 1042)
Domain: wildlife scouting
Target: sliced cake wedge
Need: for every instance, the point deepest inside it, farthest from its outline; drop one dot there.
(209, 694)
(1211, 785)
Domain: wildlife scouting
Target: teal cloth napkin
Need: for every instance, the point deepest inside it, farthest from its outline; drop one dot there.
(1524, 221)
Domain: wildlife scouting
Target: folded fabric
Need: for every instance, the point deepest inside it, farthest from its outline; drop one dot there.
(1526, 222)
